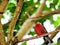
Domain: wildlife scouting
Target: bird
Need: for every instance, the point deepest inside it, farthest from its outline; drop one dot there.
(40, 30)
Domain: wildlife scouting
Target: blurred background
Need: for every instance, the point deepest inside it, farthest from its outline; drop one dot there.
(30, 6)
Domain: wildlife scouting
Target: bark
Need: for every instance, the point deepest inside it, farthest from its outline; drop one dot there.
(13, 21)
(2, 8)
(2, 37)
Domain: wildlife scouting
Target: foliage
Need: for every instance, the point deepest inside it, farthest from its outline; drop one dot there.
(57, 43)
(57, 21)
(27, 4)
(12, 6)
(0, 1)
(24, 43)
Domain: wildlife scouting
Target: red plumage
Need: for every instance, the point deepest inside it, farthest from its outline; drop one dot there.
(39, 29)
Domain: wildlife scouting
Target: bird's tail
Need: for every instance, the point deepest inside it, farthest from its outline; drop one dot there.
(47, 39)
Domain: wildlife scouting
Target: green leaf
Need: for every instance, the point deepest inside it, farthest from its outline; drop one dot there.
(33, 10)
(3, 17)
(57, 22)
(52, 5)
(5, 27)
(0, 1)
(55, 2)
(32, 33)
(46, 8)
(11, 7)
(57, 43)
(59, 4)
(24, 43)
(17, 26)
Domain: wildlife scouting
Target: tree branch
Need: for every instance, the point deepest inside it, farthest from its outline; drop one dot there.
(2, 9)
(45, 14)
(25, 27)
(3, 6)
(35, 37)
(53, 35)
(50, 14)
(26, 14)
(14, 19)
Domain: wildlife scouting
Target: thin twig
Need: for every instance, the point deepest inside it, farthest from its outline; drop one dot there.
(35, 37)
(45, 14)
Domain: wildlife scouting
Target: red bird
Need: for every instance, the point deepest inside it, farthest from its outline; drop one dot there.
(40, 30)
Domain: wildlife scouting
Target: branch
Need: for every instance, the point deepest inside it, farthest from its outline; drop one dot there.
(40, 9)
(53, 35)
(14, 19)
(45, 14)
(35, 37)
(25, 27)
(26, 14)
(51, 13)
(2, 9)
